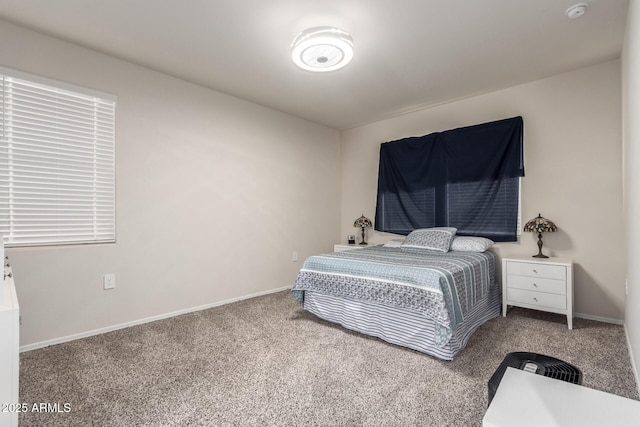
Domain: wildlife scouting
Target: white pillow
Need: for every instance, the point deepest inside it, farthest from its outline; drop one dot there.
(471, 244)
(436, 238)
(394, 243)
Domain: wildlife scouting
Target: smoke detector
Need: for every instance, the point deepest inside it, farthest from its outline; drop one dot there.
(576, 11)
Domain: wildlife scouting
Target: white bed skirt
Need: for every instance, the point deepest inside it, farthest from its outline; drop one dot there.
(400, 326)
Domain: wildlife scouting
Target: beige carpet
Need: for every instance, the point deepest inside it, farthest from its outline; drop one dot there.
(265, 361)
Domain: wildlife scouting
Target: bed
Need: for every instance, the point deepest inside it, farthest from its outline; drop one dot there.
(418, 298)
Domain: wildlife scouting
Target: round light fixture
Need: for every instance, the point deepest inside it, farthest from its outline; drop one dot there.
(322, 49)
(576, 11)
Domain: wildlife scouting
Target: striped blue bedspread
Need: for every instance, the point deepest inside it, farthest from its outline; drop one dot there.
(442, 286)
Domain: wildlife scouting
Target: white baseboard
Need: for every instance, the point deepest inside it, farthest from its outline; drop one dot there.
(86, 334)
(599, 319)
(634, 367)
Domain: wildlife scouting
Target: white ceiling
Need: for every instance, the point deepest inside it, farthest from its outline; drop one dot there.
(408, 53)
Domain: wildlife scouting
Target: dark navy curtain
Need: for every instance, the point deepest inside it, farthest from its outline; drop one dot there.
(466, 178)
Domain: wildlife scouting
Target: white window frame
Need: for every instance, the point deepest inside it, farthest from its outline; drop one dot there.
(57, 162)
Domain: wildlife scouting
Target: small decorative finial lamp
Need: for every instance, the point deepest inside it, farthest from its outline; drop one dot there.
(540, 225)
(363, 222)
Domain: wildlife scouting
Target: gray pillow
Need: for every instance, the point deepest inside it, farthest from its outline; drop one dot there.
(436, 238)
(471, 244)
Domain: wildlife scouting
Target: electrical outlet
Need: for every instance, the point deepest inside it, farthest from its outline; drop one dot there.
(294, 256)
(109, 281)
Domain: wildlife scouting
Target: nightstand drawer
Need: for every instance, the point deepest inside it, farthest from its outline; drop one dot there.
(537, 284)
(537, 298)
(557, 272)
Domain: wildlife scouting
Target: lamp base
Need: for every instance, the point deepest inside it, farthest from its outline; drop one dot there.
(363, 241)
(539, 255)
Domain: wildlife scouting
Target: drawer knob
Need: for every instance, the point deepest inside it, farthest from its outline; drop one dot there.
(535, 271)
(535, 299)
(535, 285)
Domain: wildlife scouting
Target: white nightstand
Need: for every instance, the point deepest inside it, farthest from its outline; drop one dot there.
(539, 283)
(343, 247)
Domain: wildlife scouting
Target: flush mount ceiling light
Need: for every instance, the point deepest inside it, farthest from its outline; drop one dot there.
(576, 11)
(322, 49)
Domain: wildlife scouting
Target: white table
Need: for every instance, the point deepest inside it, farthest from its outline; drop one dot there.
(524, 399)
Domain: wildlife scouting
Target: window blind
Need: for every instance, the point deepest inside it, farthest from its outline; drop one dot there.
(57, 162)
(488, 208)
(393, 205)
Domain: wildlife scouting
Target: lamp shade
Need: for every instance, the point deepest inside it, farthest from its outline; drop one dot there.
(363, 222)
(540, 224)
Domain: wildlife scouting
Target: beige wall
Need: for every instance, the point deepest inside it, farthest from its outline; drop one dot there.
(573, 169)
(213, 195)
(631, 137)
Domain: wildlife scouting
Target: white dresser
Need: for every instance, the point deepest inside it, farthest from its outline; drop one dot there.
(539, 283)
(9, 349)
